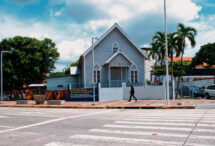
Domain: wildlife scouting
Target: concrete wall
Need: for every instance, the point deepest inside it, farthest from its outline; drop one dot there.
(122, 93)
(146, 92)
(52, 83)
(199, 83)
(109, 94)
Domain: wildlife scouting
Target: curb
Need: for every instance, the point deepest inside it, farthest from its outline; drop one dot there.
(101, 107)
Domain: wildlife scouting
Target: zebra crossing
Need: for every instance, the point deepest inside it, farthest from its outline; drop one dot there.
(178, 130)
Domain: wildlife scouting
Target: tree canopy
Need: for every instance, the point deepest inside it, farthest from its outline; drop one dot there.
(31, 59)
(161, 70)
(206, 54)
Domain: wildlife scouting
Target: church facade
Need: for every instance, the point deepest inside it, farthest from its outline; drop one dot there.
(117, 59)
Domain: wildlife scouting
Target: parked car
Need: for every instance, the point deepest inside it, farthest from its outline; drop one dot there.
(196, 91)
(210, 91)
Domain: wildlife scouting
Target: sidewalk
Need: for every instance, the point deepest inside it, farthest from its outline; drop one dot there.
(122, 104)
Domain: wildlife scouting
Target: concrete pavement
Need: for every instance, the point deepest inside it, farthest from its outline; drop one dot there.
(122, 104)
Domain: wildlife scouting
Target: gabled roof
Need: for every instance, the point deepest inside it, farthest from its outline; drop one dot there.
(108, 32)
(115, 55)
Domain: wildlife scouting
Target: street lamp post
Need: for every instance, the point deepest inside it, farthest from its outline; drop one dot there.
(166, 54)
(94, 100)
(2, 96)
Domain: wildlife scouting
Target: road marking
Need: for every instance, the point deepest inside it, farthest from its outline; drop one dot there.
(131, 140)
(55, 120)
(124, 140)
(4, 117)
(159, 123)
(32, 115)
(158, 128)
(176, 118)
(149, 133)
(32, 112)
(173, 116)
(63, 144)
(168, 120)
(151, 123)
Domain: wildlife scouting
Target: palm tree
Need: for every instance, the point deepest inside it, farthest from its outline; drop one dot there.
(185, 34)
(173, 48)
(159, 41)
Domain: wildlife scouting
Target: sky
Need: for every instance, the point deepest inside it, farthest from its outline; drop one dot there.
(72, 23)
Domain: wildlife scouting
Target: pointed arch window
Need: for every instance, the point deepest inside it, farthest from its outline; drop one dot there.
(97, 73)
(115, 47)
(134, 73)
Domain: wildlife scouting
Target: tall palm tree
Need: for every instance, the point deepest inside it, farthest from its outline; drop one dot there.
(173, 48)
(154, 54)
(185, 34)
(159, 40)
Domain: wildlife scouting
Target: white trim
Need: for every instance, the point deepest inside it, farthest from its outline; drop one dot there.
(113, 47)
(108, 32)
(134, 74)
(97, 73)
(144, 72)
(85, 83)
(115, 54)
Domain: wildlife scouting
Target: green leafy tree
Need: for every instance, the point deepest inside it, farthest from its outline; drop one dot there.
(31, 59)
(161, 70)
(205, 55)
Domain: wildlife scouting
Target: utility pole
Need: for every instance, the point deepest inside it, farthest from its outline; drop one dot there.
(94, 99)
(166, 54)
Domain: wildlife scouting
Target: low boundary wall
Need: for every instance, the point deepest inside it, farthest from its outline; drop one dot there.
(109, 94)
(123, 93)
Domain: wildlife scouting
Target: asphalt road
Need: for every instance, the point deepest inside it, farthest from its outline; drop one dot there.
(83, 127)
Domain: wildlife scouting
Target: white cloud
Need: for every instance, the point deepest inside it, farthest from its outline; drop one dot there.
(73, 39)
(71, 50)
(206, 32)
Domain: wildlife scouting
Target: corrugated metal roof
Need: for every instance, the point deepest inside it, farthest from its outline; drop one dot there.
(74, 70)
(37, 85)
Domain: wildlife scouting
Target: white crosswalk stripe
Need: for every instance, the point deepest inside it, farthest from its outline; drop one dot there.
(133, 140)
(154, 130)
(148, 133)
(158, 123)
(169, 120)
(158, 128)
(172, 118)
(63, 144)
(124, 140)
(4, 117)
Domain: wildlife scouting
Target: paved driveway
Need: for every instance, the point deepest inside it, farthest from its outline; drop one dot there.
(65, 127)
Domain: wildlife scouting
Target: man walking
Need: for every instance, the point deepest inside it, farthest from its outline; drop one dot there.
(132, 94)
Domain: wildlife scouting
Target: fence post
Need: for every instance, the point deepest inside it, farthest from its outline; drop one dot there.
(123, 90)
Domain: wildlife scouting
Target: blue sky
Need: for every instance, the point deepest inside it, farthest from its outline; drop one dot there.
(72, 23)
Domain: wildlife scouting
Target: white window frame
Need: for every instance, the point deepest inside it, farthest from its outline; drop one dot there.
(114, 51)
(96, 75)
(135, 79)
